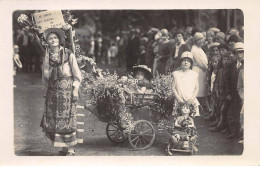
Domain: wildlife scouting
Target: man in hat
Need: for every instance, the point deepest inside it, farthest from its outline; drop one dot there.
(235, 107)
(232, 40)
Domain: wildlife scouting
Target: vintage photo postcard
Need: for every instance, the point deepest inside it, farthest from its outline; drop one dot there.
(145, 82)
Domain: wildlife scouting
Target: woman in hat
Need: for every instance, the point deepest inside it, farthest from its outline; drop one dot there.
(185, 84)
(200, 63)
(220, 38)
(62, 77)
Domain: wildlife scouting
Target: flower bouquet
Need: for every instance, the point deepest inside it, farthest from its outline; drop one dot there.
(27, 24)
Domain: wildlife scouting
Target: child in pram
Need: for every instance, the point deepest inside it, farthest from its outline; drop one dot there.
(139, 83)
(183, 134)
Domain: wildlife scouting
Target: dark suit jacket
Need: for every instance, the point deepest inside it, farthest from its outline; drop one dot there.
(132, 48)
(132, 51)
(223, 83)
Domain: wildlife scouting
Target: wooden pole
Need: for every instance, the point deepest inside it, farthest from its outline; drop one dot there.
(72, 40)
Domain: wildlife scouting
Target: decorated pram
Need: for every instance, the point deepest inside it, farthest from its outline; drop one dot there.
(132, 120)
(183, 131)
(129, 115)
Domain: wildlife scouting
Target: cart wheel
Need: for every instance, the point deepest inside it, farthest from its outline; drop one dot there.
(142, 136)
(115, 134)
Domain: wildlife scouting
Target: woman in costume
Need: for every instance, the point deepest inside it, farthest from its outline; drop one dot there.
(62, 77)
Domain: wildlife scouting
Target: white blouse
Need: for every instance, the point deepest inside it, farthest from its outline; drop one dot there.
(185, 83)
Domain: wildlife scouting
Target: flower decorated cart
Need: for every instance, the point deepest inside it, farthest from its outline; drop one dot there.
(129, 115)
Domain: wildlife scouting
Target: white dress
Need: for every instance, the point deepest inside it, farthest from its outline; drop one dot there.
(200, 62)
(185, 84)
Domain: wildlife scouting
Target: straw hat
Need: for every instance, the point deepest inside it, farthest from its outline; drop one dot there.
(215, 44)
(198, 36)
(239, 46)
(57, 31)
(145, 69)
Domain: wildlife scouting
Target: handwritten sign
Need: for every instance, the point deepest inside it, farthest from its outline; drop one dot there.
(48, 19)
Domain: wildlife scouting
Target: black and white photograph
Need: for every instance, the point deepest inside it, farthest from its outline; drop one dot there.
(164, 82)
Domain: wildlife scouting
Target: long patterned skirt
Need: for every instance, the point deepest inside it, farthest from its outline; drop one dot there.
(59, 121)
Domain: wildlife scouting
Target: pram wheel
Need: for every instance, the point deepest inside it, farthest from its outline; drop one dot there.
(142, 136)
(115, 134)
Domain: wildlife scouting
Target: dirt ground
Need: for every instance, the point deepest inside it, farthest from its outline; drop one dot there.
(29, 139)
